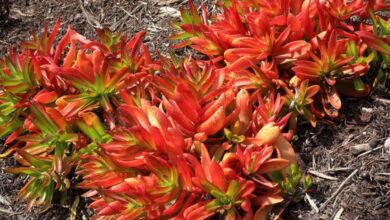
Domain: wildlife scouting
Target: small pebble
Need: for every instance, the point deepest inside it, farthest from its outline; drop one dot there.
(387, 145)
(360, 148)
(368, 110)
(4, 200)
(365, 174)
(373, 143)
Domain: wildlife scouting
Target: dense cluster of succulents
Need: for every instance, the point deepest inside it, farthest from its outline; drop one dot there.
(181, 138)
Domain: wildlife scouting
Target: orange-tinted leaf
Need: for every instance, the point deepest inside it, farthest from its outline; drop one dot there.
(269, 133)
(45, 97)
(333, 96)
(375, 42)
(273, 165)
(214, 123)
(285, 151)
(217, 176)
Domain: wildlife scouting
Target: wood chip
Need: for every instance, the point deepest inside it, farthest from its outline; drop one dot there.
(169, 11)
(321, 175)
(9, 212)
(165, 2)
(20, 13)
(312, 203)
(3, 42)
(338, 214)
(384, 101)
(90, 19)
(360, 148)
(337, 169)
(387, 145)
(367, 152)
(4, 201)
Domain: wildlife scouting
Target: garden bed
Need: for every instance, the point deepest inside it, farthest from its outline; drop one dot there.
(325, 149)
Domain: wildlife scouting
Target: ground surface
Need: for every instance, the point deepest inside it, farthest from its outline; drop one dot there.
(325, 149)
(328, 149)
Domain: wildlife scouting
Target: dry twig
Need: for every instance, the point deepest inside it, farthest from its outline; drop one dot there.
(6, 211)
(336, 169)
(312, 203)
(321, 175)
(383, 101)
(368, 152)
(322, 207)
(4, 201)
(4, 42)
(338, 214)
(383, 174)
(131, 13)
(90, 19)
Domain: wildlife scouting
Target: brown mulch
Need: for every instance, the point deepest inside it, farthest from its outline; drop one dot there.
(324, 149)
(127, 16)
(327, 149)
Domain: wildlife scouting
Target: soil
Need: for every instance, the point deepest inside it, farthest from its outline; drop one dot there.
(325, 149)
(328, 149)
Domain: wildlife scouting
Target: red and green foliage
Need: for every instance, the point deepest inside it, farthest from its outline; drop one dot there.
(180, 138)
(264, 44)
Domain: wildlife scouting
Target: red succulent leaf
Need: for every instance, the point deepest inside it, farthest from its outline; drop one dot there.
(375, 42)
(214, 123)
(273, 164)
(198, 211)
